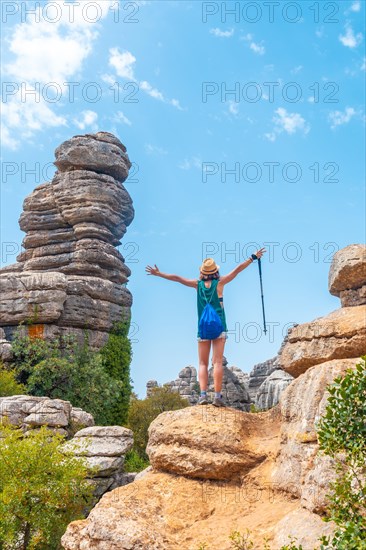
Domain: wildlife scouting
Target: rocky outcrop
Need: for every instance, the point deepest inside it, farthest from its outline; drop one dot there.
(299, 469)
(258, 375)
(234, 388)
(103, 447)
(338, 335)
(347, 275)
(70, 276)
(215, 470)
(270, 390)
(31, 412)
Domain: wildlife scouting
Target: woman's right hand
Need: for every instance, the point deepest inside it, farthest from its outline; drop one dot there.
(152, 270)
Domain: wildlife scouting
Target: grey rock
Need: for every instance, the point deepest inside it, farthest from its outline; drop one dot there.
(348, 269)
(101, 441)
(270, 390)
(70, 274)
(258, 374)
(101, 152)
(353, 296)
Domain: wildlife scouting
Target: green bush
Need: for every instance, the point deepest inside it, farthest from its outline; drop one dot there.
(134, 463)
(41, 489)
(8, 383)
(116, 358)
(143, 411)
(84, 384)
(342, 436)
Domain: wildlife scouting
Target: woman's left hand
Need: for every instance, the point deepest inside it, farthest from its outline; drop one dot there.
(260, 252)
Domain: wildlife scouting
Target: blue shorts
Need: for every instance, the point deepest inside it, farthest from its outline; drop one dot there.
(222, 335)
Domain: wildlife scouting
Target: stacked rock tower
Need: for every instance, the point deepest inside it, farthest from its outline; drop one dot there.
(70, 276)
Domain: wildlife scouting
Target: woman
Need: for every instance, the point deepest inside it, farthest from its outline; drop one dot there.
(210, 287)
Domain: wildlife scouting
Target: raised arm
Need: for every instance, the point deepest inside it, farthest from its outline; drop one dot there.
(224, 279)
(176, 278)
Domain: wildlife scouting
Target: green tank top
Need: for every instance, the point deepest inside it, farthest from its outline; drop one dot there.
(202, 291)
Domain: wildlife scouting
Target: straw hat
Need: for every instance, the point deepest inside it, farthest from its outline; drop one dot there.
(209, 266)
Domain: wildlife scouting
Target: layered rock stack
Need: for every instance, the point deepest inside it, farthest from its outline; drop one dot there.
(342, 333)
(70, 276)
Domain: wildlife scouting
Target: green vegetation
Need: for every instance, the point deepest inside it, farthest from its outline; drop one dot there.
(116, 357)
(41, 489)
(8, 383)
(134, 463)
(98, 382)
(342, 436)
(143, 411)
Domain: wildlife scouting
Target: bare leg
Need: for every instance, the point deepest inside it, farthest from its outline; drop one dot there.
(203, 355)
(218, 352)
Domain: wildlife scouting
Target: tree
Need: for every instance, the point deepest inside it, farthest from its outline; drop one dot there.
(342, 435)
(143, 411)
(41, 489)
(116, 358)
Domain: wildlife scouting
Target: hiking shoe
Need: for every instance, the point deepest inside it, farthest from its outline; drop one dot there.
(218, 402)
(203, 400)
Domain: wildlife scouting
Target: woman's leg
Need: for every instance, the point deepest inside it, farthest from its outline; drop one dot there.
(218, 352)
(203, 356)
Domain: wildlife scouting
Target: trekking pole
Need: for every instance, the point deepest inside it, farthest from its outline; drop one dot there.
(260, 280)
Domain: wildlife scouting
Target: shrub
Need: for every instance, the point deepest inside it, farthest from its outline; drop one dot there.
(8, 383)
(41, 489)
(134, 463)
(143, 411)
(85, 384)
(342, 436)
(116, 357)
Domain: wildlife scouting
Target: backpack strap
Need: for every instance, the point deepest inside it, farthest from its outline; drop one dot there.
(204, 295)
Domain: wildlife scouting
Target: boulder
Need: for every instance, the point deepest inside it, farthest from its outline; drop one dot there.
(348, 269)
(103, 441)
(258, 374)
(204, 442)
(339, 335)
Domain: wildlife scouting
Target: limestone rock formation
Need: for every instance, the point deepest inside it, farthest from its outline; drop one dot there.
(217, 445)
(30, 412)
(258, 374)
(104, 449)
(270, 390)
(70, 276)
(347, 275)
(338, 335)
(215, 470)
(342, 333)
(298, 468)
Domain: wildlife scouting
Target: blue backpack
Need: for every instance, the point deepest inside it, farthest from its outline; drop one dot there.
(210, 325)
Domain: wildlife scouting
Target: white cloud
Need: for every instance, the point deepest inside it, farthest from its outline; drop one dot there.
(122, 63)
(257, 48)
(297, 69)
(46, 51)
(154, 149)
(220, 33)
(153, 92)
(247, 36)
(193, 162)
(88, 118)
(287, 122)
(337, 118)
(363, 66)
(120, 117)
(290, 122)
(320, 32)
(356, 6)
(311, 99)
(350, 40)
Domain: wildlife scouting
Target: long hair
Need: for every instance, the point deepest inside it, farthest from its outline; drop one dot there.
(210, 277)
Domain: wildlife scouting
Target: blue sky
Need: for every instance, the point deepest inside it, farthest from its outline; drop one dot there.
(243, 129)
